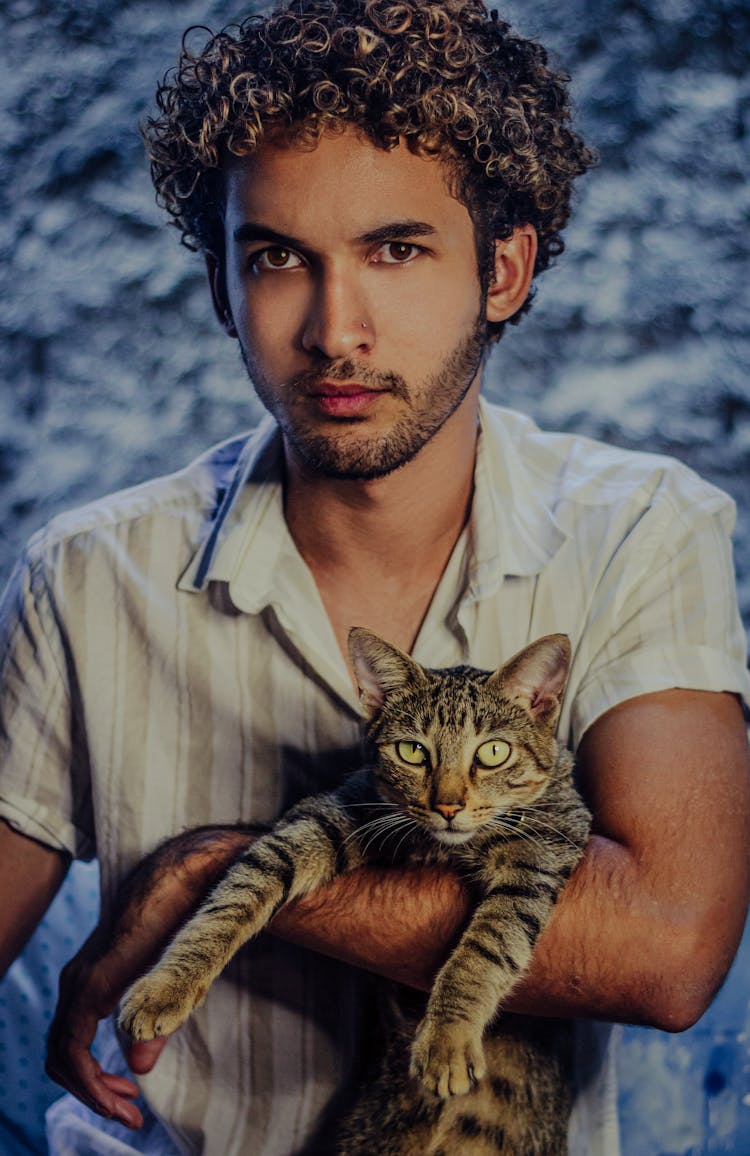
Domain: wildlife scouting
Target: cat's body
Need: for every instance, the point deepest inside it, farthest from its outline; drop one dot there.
(520, 1107)
(468, 774)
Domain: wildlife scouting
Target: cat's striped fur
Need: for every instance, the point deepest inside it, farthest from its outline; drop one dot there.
(467, 773)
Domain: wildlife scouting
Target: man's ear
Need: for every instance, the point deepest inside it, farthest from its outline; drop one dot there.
(514, 268)
(217, 281)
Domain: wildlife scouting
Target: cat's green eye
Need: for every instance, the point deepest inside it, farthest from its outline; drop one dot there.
(412, 753)
(493, 753)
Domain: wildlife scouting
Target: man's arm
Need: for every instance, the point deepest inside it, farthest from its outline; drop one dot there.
(30, 877)
(649, 926)
(650, 921)
(644, 932)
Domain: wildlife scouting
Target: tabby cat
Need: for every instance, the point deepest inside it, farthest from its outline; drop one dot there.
(467, 773)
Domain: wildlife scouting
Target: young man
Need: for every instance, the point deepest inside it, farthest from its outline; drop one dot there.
(374, 185)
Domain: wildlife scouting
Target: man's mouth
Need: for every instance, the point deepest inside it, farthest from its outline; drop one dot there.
(342, 399)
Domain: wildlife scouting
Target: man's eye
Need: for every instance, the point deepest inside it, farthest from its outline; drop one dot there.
(397, 252)
(275, 257)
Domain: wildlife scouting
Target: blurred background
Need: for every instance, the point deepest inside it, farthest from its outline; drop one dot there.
(113, 369)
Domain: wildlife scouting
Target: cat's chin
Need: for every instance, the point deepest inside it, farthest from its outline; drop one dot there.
(452, 838)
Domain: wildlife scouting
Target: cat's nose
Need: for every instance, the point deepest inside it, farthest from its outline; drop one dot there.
(448, 810)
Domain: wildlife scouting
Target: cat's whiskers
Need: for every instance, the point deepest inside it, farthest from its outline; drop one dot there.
(518, 830)
(540, 826)
(377, 821)
(412, 826)
(371, 805)
(379, 826)
(405, 825)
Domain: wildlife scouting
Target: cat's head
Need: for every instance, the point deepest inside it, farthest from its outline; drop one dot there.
(457, 748)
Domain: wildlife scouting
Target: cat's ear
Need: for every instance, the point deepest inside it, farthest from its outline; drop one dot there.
(380, 668)
(535, 677)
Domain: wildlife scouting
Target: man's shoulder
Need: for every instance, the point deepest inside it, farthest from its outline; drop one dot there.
(184, 501)
(573, 470)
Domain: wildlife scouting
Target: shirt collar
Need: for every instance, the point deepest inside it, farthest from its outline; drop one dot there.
(513, 531)
(253, 484)
(513, 528)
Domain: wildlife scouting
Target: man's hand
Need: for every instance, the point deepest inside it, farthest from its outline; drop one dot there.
(162, 892)
(90, 987)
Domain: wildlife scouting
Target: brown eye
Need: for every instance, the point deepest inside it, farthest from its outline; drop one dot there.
(412, 753)
(397, 253)
(493, 753)
(275, 257)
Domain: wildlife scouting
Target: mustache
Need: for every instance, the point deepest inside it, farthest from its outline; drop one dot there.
(353, 373)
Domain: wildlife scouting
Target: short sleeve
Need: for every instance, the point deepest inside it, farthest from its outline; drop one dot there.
(665, 614)
(45, 788)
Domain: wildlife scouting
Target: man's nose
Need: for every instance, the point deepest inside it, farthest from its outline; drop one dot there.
(339, 322)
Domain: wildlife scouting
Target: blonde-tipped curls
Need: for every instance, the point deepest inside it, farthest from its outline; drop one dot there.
(447, 78)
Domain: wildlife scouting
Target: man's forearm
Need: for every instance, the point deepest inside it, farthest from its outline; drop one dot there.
(400, 923)
(31, 876)
(397, 922)
(609, 952)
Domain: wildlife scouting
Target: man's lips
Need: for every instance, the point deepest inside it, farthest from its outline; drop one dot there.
(339, 389)
(342, 399)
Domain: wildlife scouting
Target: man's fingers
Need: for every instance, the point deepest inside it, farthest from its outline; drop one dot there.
(122, 1092)
(120, 1085)
(105, 1093)
(71, 1064)
(143, 1054)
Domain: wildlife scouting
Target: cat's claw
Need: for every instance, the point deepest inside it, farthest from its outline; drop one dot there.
(448, 1061)
(157, 1005)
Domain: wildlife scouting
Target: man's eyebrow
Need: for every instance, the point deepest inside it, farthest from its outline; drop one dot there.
(255, 231)
(393, 231)
(397, 231)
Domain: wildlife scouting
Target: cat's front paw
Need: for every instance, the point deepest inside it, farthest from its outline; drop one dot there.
(158, 1003)
(448, 1059)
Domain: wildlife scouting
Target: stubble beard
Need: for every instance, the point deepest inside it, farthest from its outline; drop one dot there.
(365, 458)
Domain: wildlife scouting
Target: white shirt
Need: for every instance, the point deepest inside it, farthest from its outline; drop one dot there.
(168, 662)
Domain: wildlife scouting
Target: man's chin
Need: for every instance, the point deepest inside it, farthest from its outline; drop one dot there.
(364, 462)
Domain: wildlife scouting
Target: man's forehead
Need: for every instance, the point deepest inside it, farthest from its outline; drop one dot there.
(344, 174)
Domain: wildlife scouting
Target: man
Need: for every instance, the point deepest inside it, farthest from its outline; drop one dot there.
(374, 186)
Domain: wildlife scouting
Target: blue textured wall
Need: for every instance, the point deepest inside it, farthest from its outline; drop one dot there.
(113, 368)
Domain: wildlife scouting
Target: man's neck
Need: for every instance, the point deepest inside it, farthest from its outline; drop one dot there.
(392, 524)
(377, 549)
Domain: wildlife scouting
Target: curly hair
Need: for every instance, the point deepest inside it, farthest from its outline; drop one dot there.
(446, 78)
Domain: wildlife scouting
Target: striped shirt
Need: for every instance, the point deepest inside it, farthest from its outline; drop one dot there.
(167, 662)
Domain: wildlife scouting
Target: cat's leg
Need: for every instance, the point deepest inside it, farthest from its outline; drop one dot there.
(489, 959)
(302, 853)
(521, 878)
